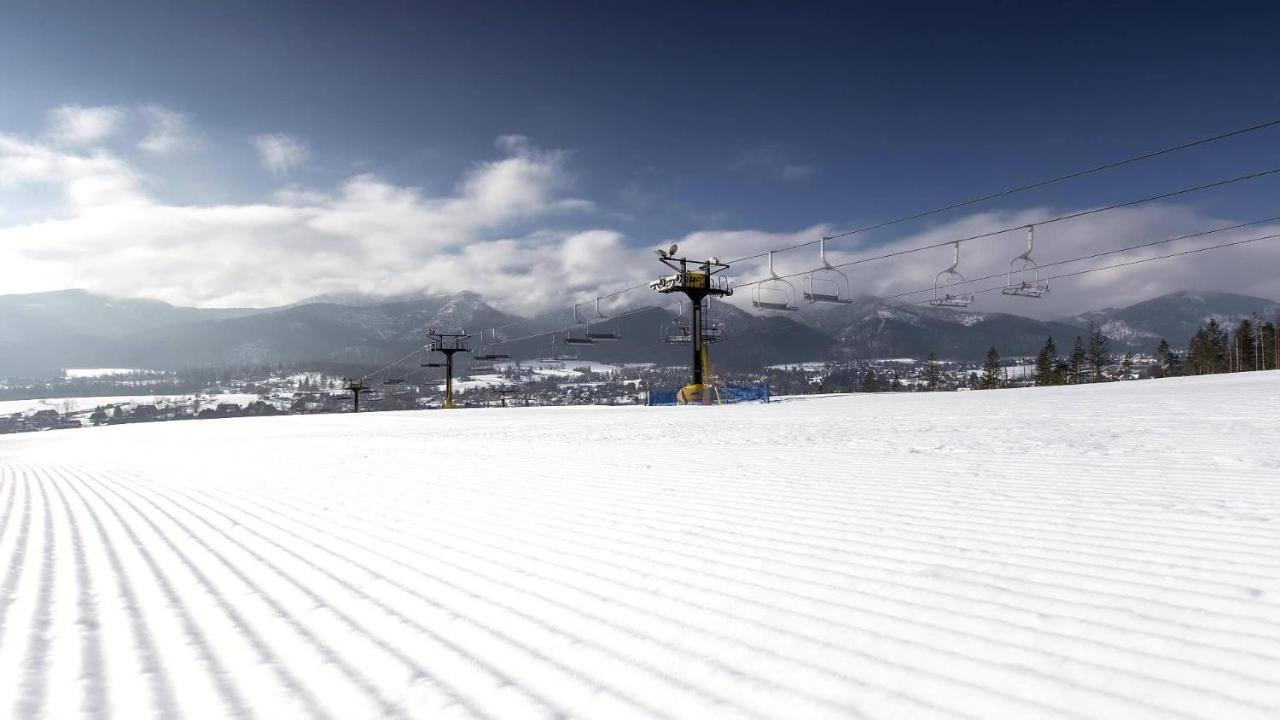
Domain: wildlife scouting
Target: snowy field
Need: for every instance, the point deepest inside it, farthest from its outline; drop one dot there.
(99, 372)
(1087, 552)
(81, 404)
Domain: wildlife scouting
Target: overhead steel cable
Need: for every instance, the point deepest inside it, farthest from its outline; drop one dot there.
(390, 365)
(1104, 253)
(557, 330)
(1140, 261)
(1049, 221)
(1024, 188)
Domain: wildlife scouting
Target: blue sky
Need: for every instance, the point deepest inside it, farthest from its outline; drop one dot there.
(644, 121)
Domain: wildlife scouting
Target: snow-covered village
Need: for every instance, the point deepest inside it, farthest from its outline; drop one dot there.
(688, 360)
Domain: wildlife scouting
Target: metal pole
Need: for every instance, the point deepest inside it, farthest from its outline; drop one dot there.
(695, 307)
(448, 380)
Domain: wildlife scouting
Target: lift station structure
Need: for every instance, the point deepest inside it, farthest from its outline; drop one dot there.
(697, 280)
(447, 344)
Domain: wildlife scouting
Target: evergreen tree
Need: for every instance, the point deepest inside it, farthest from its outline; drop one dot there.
(1076, 364)
(1099, 352)
(1166, 360)
(1221, 343)
(1061, 371)
(1200, 352)
(870, 383)
(1046, 362)
(98, 416)
(991, 370)
(1126, 366)
(1242, 345)
(974, 382)
(1267, 336)
(1207, 351)
(932, 376)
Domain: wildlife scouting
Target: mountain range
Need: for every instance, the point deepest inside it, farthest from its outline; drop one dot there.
(44, 332)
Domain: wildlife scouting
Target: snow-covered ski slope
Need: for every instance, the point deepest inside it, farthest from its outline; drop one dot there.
(1088, 552)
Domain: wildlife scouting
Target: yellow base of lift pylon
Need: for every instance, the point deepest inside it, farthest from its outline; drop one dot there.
(698, 395)
(707, 394)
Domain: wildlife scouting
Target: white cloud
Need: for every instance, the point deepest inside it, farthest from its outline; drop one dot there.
(280, 153)
(510, 230)
(367, 234)
(80, 125)
(168, 131)
(96, 179)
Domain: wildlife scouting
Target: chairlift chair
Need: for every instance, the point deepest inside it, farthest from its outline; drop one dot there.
(561, 352)
(487, 352)
(826, 284)
(712, 327)
(676, 331)
(774, 293)
(547, 354)
(942, 295)
(605, 333)
(1023, 277)
(570, 339)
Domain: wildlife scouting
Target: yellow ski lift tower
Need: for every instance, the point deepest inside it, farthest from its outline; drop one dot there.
(447, 344)
(697, 280)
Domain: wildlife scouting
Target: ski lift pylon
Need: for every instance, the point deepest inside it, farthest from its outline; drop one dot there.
(942, 296)
(1023, 278)
(826, 284)
(774, 293)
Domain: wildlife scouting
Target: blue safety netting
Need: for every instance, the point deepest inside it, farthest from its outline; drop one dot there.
(726, 394)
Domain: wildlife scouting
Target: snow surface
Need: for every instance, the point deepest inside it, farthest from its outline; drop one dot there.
(1085, 552)
(79, 404)
(98, 372)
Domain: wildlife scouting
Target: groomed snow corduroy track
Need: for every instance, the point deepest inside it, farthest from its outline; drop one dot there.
(1092, 552)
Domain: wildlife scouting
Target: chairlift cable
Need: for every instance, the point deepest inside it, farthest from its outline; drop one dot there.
(1104, 253)
(1024, 188)
(1142, 260)
(392, 364)
(557, 330)
(1060, 218)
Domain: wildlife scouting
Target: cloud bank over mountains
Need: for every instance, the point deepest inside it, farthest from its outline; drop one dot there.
(78, 209)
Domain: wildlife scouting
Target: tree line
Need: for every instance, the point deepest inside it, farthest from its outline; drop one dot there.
(1215, 348)
(1088, 361)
